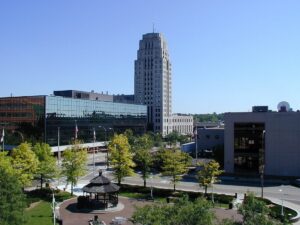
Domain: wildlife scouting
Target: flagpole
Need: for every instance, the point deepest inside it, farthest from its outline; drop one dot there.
(53, 208)
(3, 139)
(94, 137)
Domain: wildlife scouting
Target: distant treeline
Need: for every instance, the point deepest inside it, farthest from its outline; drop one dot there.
(214, 117)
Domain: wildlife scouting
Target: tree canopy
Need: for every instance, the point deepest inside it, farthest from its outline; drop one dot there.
(121, 157)
(5, 163)
(47, 163)
(25, 163)
(142, 155)
(175, 163)
(74, 164)
(208, 175)
(255, 211)
(175, 136)
(12, 199)
(183, 212)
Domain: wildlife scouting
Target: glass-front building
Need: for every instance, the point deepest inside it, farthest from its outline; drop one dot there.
(248, 147)
(44, 118)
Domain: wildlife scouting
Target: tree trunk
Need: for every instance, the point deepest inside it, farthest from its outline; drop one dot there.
(145, 182)
(205, 188)
(71, 188)
(41, 181)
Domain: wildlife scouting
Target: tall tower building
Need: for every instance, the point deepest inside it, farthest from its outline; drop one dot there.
(153, 81)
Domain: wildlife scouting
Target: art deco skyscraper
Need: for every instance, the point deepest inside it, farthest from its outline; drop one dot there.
(153, 81)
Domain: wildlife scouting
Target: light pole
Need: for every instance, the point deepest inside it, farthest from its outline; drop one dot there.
(53, 208)
(58, 140)
(105, 141)
(196, 139)
(151, 187)
(212, 193)
(280, 190)
(262, 163)
(94, 139)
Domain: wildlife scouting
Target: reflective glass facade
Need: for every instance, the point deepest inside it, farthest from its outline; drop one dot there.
(66, 113)
(248, 146)
(23, 118)
(39, 118)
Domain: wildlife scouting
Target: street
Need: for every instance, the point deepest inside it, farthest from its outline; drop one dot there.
(287, 193)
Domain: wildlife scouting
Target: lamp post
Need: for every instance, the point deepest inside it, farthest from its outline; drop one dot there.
(105, 141)
(262, 163)
(280, 190)
(196, 139)
(58, 144)
(151, 187)
(212, 193)
(94, 140)
(53, 207)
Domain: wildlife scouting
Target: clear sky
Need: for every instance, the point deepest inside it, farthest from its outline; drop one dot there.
(227, 55)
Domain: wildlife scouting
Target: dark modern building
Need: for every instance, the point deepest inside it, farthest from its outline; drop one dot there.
(40, 118)
(105, 97)
(263, 141)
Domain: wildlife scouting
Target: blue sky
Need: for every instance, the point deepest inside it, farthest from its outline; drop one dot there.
(226, 55)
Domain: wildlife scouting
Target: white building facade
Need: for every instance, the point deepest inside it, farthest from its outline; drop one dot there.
(153, 81)
(183, 124)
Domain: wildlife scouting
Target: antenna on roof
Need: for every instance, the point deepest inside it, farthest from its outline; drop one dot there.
(153, 27)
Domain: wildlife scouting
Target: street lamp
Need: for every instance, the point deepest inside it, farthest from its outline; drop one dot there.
(53, 207)
(196, 139)
(262, 163)
(280, 190)
(94, 139)
(105, 140)
(58, 140)
(151, 187)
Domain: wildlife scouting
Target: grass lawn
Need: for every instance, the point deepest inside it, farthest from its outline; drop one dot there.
(41, 213)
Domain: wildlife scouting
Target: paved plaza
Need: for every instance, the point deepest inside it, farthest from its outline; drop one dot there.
(70, 215)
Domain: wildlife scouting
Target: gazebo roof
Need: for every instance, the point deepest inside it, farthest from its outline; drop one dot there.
(110, 188)
(101, 184)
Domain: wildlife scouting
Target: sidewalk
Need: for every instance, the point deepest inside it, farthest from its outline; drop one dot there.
(288, 205)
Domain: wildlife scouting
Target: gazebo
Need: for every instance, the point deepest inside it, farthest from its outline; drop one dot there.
(101, 192)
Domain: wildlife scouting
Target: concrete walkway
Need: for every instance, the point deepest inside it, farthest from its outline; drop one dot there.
(288, 205)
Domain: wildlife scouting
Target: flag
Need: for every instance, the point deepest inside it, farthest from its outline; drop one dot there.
(196, 133)
(76, 131)
(94, 135)
(2, 137)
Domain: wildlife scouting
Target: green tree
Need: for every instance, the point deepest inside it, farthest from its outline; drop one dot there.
(12, 199)
(130, 137)
(209, 174)
(25, 163)
(121, 157)
(255, 211)
(47, 164)
(142, 155)
(5, 163)
(175, 164)
(74, 164)
(184, 212)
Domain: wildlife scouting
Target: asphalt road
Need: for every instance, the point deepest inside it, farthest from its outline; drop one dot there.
(287, 193)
